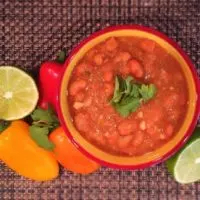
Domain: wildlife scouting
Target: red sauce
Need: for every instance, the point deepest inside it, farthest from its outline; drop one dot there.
(92, 84)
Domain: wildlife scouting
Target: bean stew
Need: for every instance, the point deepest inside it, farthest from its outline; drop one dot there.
(93, 83)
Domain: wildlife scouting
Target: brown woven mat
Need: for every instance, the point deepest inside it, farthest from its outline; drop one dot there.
(35, 30)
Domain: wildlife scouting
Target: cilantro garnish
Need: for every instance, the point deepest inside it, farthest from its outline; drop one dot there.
(129, 95)
(44, 121)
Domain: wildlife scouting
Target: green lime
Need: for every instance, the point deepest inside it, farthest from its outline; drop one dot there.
(18, 93)
(185, 165)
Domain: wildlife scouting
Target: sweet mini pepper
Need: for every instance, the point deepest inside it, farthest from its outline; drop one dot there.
(69, 156)
(49, 80)
(24, 156)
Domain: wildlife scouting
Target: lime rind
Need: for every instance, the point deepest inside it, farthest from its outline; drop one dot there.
(18, 93)
(186, 169)
(185, 165)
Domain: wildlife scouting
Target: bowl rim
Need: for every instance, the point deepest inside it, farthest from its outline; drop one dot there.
(189, 63)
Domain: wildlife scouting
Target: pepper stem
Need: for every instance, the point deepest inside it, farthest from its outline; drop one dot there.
(61, 56)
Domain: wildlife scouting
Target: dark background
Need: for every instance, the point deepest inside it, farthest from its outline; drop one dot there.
(32, 31)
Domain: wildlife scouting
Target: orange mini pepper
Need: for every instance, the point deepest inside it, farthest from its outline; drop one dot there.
(69, 156)
(24, 156)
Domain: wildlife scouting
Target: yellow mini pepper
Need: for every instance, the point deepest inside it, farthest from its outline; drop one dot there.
(24, 156)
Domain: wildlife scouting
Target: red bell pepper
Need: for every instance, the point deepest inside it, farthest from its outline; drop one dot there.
(49, 79)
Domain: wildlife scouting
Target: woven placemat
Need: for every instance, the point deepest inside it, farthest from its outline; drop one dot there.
(32, 31)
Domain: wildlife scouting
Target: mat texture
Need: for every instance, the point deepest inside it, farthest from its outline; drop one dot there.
(32, 31)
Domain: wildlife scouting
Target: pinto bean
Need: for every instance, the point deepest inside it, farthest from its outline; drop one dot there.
(90, 54)
(171, 100)
(162, 136)
(108, 66)
(122, 57)
(127, 127)
(100, 139)
(142, 125)
(112, 138)
(79, 96)
(136, 68)
(138, 139)
(87, 102)
(153, 115)
(148, 45)
(77, 105)
(80, 69)
(77, 86)
(152, 131)
(108, 76)
(164, 76)
(169, 130)
(149, 65)
(82, 122)
(111, 44)
(174, 114)
(109, 89)
(83, 68)
(124, 141)
(98, 59)
(140, 114)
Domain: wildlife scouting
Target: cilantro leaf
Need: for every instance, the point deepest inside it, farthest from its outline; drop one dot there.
(134, 91)
(129, 95)
(118, 92)
(144, 92)
(122, 88)
(44, 115)
(147, 92)
(128, 85)
(44, 121)
(128, 106)
(40, 136)
(152, 90)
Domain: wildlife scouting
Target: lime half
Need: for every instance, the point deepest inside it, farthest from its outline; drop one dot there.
(185, 166)
(18, 93)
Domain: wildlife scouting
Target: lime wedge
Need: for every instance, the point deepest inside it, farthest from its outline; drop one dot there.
(185, 165)
(18, 93)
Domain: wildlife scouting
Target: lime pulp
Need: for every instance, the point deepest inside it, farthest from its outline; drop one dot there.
(18, 93)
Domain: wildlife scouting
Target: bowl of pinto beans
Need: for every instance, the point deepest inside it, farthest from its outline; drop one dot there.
(128, 97)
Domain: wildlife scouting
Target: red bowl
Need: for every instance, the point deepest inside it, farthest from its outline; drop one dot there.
(166, 150)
